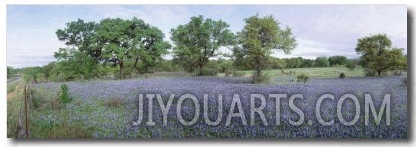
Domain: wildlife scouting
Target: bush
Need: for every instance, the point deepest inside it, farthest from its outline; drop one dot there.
(262, 78)
(302, 78)
(342, 75)
(233, 73)
(369, 73)
(351, 65)
(237, 74)
(63, 94)
(114, 101)
(228, 73)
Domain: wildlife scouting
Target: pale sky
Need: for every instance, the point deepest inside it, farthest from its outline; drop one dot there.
(321, 30)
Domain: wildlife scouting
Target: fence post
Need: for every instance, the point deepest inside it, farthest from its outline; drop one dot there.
(27, 134)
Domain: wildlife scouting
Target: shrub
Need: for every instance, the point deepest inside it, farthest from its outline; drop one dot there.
(228, 73)
(262, 78)
(237, 74)
(351, 65)
(342, 75)
(114, 101)
(369, 72)
(302, 78)
(63, 94)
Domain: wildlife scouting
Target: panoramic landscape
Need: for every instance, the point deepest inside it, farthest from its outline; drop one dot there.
(158, 71)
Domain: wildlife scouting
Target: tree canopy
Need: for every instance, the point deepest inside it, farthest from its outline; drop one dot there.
(112, 40)
(259, 36)
(199, 40)
(378, 55)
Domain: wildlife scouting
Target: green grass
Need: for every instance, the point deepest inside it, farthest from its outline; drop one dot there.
(45, 102)
(317, 72)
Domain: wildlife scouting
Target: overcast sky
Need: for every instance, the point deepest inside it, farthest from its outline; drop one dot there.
(321, 30)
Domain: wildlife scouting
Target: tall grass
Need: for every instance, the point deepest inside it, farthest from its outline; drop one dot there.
(48, 118)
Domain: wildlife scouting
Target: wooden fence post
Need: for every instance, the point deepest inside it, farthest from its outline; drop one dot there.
(27, 129)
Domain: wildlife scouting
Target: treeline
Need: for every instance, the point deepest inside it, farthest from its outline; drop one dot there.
(122, 48)
(54, 70)
(299, 62)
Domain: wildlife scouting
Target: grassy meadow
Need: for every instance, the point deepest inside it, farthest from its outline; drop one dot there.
(106, 108)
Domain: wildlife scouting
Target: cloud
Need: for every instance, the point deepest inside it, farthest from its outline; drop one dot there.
(164, 17)
(337, 27)
(19, 61)
(307, 49)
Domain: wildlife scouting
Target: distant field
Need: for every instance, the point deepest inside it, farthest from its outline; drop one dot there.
(318, 72)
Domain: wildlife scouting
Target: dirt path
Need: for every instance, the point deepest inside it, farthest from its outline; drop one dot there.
(13, 79)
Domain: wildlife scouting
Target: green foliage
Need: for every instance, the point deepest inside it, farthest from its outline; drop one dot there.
(322, 62)
(228, 73)
(369, 72)
(262, 78)
(64, 95)
(32, 74)
(342, 75)
(237, 74)
(258, 37)
(277, 63)
(378, 55)
(79, 60)
(79, 36)
(308, 63)
(206, 71)
(224, 65)
(337, 60)
(351, 64)
(10, 71)
(302, 78)
(198, 40)
(167, 66)
(239, 56)
(79, 66)
(234, 73)
(118, 41)
(294, 62)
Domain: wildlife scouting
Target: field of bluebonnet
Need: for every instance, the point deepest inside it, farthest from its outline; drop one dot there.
(108, 108)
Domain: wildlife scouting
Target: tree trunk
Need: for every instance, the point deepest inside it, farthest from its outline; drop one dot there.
(258, 74)
(378, 72)
(200, 69)
(121, 69)
(135, 63)
(258, 71)
(258, 68)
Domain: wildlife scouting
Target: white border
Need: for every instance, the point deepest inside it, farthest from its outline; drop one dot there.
(240, 143)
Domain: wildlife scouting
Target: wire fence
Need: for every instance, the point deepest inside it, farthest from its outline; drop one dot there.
(27, 103)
